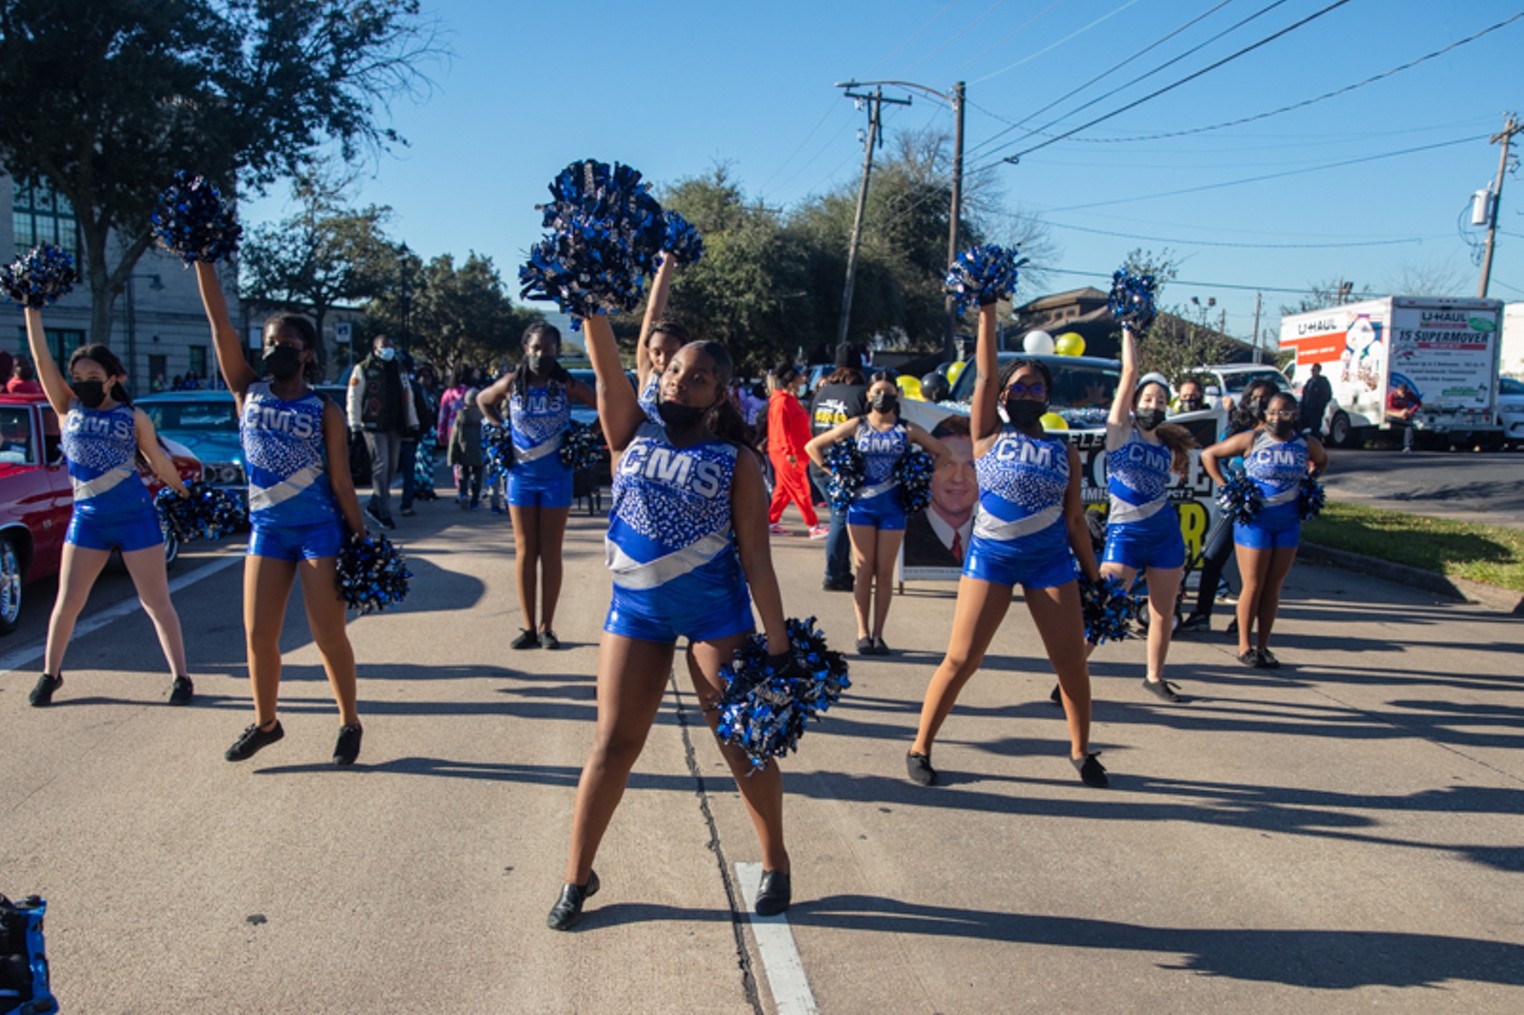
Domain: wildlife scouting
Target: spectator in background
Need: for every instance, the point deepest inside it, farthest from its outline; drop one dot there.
(788, 430)
(380, 405)
(842, 395)
(1402, 404)
(1191, 397)
(158, 383)
(1316, 394)
(23, 379)
(465, 451)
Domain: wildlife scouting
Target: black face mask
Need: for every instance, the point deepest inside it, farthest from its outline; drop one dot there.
(675, 414)
(283, 362)
(540, 365)
(885, 404)
(90, 393)
(1283, 428)
(1149, 419)
(1023, 412)
(1255, 408)
(1190, 404)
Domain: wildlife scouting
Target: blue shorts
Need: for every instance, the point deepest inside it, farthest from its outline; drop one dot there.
(548, 491)
(881, 512)
(1278, 535)
(136, 531)
(1012, 563)
(297, 542)
(1154, 542)
(657, 615)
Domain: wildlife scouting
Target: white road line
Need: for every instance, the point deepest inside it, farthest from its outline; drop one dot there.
(780, 959)
(12, 661)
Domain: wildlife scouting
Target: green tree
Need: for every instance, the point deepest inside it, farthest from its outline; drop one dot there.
(1180, 339)
(456, 314)
(108, 98)
(325, 255)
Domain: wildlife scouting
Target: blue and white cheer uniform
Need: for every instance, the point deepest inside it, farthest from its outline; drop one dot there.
(1142, 526)
(111, 505)
(293, 514)
(671, 543)
(877, 503)
(537, 419)
(1020, 535)
(1277, 468)
(650, 397)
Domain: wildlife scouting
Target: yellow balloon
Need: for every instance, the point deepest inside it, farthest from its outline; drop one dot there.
(1053, 421)
(1070, 343)
(953, 372)
(909, 386)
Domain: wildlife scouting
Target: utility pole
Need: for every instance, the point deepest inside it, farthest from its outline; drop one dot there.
(1510, 128)
(950, 333)
(874, 137)
(1257, 298)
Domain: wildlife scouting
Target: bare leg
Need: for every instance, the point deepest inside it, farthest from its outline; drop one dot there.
(761, 791)
(885, 557)
(76, 577)
(632, 675)
(526, 552)
(325, 616)
(552, 537)
(151, 579)
(980, 608)
(1061, 623)
(266, 590)
(864, 548)
(1163, 588)
(1253, 569)
(1281, 560)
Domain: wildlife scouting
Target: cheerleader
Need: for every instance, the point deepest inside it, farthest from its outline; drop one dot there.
(539, 396)
(1029, 531)
(1142, 527)
(660, 338)
(875, 518)
(103, 435)
(688, 548)
(301, 500)
(1277, 459)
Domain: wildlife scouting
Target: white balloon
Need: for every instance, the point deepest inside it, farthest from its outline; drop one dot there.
(1038, 342)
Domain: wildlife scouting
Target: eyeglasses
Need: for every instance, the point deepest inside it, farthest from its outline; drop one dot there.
(1288, 414)
(1035, 390)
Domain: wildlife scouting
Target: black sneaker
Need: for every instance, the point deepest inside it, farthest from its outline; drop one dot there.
(42, 693)
(1251, 658)
(549, 640)
(774, 893)
(348, 748)
(252, 740)
(1195, 622)
(879, 648)
(526, 639)
(866, 647)
(567, 911)
(1267, 659)
(1091, 772)
(181, 691)
(838, 584)
(1163, 689)
(1057, 697)
(383, 520)
(918, 766)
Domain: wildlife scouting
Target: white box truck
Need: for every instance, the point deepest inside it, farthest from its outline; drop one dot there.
(1512, 364)
(1446, 351)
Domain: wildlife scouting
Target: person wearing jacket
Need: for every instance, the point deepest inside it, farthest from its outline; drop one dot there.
(380, 404)
(788, 431)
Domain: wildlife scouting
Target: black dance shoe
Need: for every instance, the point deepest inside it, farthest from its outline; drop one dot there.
(918, 766)
(1195, 622)
(879, 648)
(181, 691)
(526, 639)
(866, 647)
(252, 740)
(774, 894)
(567, 911)
(1091, 771)
(348, 747)
(1057, 697)
(1163, 689)
(42, 693)
(549, 640)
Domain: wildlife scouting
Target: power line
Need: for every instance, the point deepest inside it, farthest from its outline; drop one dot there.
(1008, 36)
(1185, 281)
(1052, 46)
(1242, 245)
(1189, 77)
(956, 35)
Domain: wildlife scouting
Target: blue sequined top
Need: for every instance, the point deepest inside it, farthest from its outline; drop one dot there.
(537, 418)
(101, 446)
(287, 459)
(1137, 478)
(1022, 483)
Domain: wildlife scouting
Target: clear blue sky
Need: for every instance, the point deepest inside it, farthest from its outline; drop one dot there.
(674, 88)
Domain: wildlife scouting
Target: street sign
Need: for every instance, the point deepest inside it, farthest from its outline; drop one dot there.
(341, 332)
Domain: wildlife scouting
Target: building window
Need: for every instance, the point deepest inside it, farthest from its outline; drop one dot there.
(41, 216)
(158, 373)
(198, 362)
(62, 342)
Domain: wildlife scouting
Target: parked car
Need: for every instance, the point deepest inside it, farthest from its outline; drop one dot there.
(206, 422)
(36, 498)
(1511, 410)
(1228, 380)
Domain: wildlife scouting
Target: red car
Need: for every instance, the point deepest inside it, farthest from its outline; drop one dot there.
(36, 497)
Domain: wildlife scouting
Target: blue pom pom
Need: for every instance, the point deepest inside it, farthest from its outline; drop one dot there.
(1108, 608)
(845, 464)
(372, 574)
(208, 513)
(683, 241)
(912, 474)
(1311, 498)
(193, 221)
(982, 275)
(606, 233)
(37, 278)
(1240, 497)
(582, 447)
(497, 450)
(765, 707)
(1131, 300)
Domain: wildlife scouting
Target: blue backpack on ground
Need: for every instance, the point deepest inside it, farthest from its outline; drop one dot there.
(23, 959)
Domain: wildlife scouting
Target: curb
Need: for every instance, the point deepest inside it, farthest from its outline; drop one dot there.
(1503, 600)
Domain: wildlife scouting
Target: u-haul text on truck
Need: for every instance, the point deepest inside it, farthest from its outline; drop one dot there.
(1445, 350)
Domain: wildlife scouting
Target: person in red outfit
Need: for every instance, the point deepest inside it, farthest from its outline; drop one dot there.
(1402, 404)
(788, 430)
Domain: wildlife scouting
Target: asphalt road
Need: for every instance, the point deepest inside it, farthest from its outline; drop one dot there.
(1338, 835)
(1478, 486)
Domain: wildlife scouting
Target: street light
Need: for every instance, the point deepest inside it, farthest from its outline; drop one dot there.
(156, 284)
(404, 294)
(955, 101)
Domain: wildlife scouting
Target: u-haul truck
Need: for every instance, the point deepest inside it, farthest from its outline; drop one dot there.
(1445, 350)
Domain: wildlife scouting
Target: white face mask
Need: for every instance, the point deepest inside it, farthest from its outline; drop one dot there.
(387, 353)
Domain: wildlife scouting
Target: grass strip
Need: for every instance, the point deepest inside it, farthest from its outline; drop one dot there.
(1457, 549)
